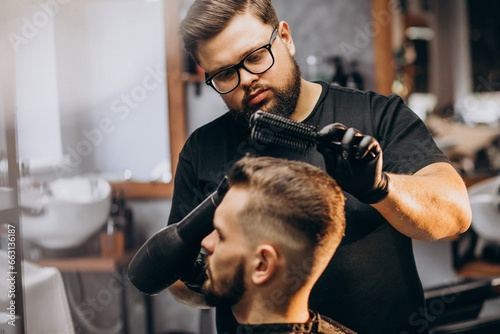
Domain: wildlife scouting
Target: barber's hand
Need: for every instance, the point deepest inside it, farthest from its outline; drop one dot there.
(195, 278)
(354, 160)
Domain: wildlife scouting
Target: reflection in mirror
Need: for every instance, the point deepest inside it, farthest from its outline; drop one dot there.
(91, 89)
(4, 181)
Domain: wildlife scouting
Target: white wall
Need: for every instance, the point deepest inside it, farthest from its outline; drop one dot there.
(31, 37)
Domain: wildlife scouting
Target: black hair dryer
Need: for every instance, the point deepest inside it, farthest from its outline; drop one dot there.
(170, 253)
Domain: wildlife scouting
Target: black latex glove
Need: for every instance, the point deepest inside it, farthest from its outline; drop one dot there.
(195, 278)
(354, 160)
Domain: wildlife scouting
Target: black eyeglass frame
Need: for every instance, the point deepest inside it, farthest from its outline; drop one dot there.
(209, 80)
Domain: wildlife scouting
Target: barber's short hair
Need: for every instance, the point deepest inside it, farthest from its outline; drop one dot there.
(291, 202)
(207, 18)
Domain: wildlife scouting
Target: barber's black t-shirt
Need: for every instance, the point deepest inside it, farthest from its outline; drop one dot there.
(371, 284)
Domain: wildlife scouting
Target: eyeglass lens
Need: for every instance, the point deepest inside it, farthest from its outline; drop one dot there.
(256, 62)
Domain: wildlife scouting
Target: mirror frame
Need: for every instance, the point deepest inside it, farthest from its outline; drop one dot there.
(382, 44)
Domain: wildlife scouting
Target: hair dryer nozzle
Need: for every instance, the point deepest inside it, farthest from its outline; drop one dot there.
(161, 261)
(170, 253)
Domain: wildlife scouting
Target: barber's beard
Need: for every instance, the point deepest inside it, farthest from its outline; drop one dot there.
(225, 291)
(285, 99)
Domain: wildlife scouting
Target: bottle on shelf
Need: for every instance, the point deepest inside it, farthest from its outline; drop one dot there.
(339, 77)
(123, 217)
(112, 240)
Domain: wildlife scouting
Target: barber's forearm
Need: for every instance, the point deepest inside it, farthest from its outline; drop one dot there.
(184, 295)
(429, 205)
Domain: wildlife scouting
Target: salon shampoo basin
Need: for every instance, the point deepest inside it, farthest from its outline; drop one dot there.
(64, 213)
(485, 204)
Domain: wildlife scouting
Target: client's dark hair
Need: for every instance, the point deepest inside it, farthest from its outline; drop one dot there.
(290, 201)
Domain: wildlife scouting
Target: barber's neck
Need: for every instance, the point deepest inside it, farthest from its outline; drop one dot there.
(272, 306)
(309, 96)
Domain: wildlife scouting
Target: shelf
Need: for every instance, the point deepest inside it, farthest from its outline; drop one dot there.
(479, 269)
(187, 77)
(86, 264)
(471, 180)
(143, 190)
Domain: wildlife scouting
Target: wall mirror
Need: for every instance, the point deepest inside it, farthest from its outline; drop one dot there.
(91, 89)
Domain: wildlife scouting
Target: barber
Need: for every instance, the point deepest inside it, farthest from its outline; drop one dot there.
(399, 186)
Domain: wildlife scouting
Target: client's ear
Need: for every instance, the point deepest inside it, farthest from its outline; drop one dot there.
(265, 264)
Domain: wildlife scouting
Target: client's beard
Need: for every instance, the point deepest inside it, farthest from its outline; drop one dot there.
(286, 99)
(227, 291)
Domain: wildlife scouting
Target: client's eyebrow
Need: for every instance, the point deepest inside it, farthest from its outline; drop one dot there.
(217, 228)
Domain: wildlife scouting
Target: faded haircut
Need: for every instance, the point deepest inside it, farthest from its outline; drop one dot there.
(207, 18)
(291, 202)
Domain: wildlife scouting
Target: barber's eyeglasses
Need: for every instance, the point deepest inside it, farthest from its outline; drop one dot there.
(257, 62)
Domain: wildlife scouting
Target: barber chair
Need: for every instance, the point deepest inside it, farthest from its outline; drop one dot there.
(455, 308)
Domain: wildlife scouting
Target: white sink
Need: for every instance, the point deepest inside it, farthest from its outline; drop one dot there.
(64, 213)
(485, 204)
